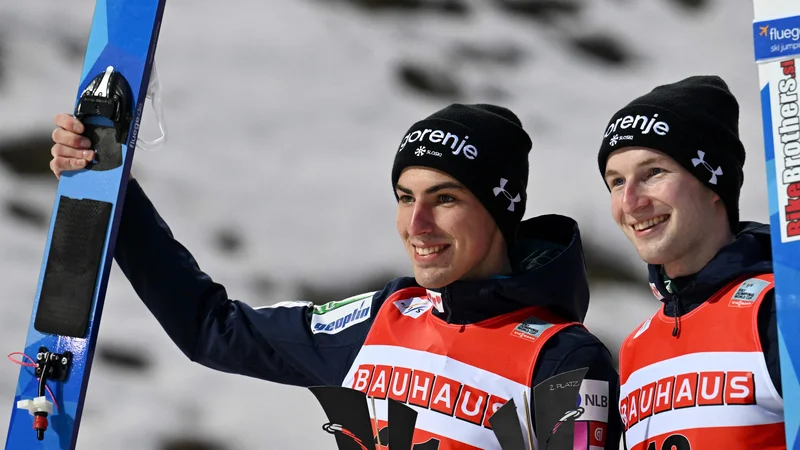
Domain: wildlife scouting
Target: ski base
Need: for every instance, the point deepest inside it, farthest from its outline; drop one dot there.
(59, 348)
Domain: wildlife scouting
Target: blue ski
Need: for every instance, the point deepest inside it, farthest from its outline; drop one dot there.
(776, 34)
(62, 334)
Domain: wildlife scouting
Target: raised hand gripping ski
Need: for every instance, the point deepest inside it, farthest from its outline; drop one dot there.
(79, 251)
(776, 31)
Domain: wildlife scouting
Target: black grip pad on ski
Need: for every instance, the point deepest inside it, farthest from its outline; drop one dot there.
(402, 420)
(348, 408)
(108, 151)
(73, 263)
(556, 406)
(506, 427)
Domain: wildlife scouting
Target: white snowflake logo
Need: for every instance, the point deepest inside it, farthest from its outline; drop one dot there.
(613, 140)
(420, 150)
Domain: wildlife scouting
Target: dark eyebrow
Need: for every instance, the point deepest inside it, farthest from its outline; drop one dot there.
(433, 189)
(611, 172)
(649, 161)
(646, 162)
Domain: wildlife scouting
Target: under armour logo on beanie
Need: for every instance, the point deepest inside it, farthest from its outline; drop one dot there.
(483, 147)
(714, 172)
(696, 122)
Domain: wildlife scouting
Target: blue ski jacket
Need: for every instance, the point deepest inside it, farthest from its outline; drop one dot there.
(276, 343)
(749, 254)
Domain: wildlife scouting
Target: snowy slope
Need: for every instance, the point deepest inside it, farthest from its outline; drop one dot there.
(282, 118)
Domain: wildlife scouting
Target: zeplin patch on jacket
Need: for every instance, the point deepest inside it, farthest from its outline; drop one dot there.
(336, 316)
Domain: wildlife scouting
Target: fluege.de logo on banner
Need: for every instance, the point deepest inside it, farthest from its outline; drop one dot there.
(777, 38)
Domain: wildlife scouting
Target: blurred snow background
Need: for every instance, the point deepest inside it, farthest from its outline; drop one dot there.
(283, 117)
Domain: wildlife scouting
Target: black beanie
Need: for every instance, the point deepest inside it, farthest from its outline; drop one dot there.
(696, 122)
(483, 147)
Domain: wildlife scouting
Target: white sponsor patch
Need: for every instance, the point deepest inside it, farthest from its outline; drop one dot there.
(436, 299)
(594, 401)
(531, 328)
(643, 328)
(333, 318)
(748, 292)
(413, 307)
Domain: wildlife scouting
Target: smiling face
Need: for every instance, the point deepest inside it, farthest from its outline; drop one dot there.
(669, 215)
(447, 232)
